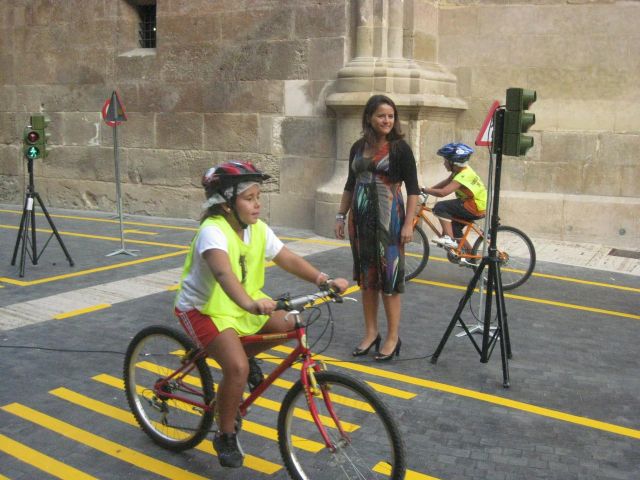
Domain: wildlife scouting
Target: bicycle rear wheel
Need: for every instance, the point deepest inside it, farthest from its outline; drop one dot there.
(154, 354)
(370, 447)
(517, 256)
(416, 254)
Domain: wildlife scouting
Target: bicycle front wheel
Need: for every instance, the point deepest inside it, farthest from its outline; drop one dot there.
(366, 441)
(416, 254)
(516, 253)
(154, 354)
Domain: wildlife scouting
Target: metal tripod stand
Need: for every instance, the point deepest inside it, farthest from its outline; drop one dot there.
(28, 221)
(500, 333)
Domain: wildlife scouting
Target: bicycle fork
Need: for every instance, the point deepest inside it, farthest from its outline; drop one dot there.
(314, 391)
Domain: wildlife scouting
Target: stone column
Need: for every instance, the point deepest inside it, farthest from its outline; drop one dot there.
(426, 97)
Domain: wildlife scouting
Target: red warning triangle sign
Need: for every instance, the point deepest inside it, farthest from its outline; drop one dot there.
(485, 135)
(115, 110)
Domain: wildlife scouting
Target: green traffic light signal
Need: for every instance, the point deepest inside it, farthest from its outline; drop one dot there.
(517, 122)
(35, 137)
(32, 153)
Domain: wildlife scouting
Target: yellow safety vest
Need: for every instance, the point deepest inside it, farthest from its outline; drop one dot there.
(472, 181)
(224, 312)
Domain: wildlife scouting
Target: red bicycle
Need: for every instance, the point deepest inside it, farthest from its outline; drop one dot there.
(330, 425)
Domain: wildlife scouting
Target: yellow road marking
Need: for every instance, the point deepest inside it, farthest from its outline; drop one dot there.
(464, 392)
(103, 237)
(572, 306)
(247, 425)
(107, 220)
(81, 311)
(40, 461)
(139, 232)
(385, 469)
(101, 444)
(127, 417)
(319, 241)
(21, 283)
(585, 282)
(551, 277)
(537, 300)
(394, 392)
(266, 403)
(264, 466)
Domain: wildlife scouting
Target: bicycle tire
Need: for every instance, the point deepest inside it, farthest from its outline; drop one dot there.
(518, 256)
(372, 448)
(173, 424)
(416, 254)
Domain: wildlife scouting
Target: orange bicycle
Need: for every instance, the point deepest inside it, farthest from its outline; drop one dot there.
(515, 249)
(330, 425)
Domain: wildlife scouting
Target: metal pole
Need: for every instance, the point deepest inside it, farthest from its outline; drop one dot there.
(116, 157)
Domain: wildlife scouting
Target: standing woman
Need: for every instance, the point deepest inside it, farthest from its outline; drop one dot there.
(379, 163)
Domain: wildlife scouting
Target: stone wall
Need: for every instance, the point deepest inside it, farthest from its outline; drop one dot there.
(249, 80)
(228, 80)
(580, 181)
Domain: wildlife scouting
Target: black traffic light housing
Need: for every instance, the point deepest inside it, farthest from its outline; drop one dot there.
(517, 121)
(35, 137)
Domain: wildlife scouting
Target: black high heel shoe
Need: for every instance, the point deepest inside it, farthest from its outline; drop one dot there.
(395, 353)
(359, 352)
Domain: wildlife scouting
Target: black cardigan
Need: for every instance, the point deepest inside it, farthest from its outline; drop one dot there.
(402, 166)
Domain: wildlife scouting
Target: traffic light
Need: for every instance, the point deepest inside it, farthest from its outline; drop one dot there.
(35, 137)
(517, 122)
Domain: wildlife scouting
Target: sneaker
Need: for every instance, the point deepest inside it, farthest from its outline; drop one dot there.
(255, 377)
(230, 453)
(446, 241)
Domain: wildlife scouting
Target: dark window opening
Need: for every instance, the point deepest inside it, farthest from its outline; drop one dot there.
(147, 30)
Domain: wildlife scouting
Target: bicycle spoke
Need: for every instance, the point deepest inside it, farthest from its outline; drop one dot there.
(173, 423)
(358, 454)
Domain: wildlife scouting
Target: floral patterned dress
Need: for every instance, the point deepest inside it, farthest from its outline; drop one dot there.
(377, 216)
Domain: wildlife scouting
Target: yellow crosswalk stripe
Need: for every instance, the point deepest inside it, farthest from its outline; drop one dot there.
(43, 462)
(385, 469)
(387, 390)
(127, 417)
(271, 405)
(113, 449)
(485, 397)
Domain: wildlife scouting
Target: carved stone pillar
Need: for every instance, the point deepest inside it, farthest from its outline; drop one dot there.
(423, 95)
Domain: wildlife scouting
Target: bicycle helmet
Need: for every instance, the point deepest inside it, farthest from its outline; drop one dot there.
(224, 182)
(220, 178)
(457, 153)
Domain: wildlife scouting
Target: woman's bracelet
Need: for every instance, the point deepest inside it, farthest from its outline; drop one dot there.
(340, 217)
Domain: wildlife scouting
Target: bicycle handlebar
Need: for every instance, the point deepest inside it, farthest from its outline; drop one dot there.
(289, 304)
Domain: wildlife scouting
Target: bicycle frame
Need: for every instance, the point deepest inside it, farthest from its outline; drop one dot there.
(309, 366)
(469, 227)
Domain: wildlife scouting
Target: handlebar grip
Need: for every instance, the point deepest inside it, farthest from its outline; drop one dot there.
(297, 303)
(282, 304)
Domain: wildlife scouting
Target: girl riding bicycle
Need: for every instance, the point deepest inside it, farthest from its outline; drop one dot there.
(220, 298)
(471, 194)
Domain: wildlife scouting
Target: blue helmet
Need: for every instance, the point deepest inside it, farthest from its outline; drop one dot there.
(458, 153)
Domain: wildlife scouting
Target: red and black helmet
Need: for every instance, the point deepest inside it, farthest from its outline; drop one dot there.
(219, 178)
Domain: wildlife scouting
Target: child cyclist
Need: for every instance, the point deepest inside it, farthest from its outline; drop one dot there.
(471, 195)
(220, 297)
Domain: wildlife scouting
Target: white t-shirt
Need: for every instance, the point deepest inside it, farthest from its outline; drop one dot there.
(198, 284)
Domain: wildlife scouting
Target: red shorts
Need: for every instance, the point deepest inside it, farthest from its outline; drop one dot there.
(199, 326)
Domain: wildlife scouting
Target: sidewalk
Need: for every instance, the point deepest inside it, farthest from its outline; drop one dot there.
(588, 255)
